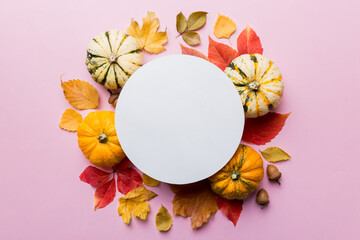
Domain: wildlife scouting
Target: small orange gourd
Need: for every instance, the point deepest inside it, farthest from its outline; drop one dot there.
(240, 176)
(98, 141)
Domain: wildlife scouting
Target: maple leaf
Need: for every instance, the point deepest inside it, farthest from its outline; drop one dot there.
(105, 194)
(94, 176)
(70, 120)
(135, 202)
(220, 54)
(149, 181)
(231, 208)
(248, 42)
(262, 130)
(163, 220)
(148, 37)
(192, 52)
(196, 201)
(275, 154)
(80, 94)
(224, 27)
(127, 177)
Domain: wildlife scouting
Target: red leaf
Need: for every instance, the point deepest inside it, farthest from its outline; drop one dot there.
(192, 52)
(128, 178)
(220, 54)
(249, 42)
(105, 194)
(125, 163)
(263, 129)
(231, 208)
(94, 176)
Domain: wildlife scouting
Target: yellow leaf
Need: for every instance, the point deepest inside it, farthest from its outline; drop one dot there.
(191, 38)
(196, 20)
(135, 202)
(148, 37)
(181, 23)
(80, 94)
(224, 27)
(149, 181)
(70, 120)
(275, 154)
(163, 220)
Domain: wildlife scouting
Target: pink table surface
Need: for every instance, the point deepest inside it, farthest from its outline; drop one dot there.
(314, 43)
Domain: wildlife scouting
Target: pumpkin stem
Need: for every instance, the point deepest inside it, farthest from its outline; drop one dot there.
(112, 58)
(235, 175)
(102, 138)
(254, 86)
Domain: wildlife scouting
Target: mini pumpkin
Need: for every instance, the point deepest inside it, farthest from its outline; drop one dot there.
(258, 81)
(112, 57)
(240, 176)
(98, 141)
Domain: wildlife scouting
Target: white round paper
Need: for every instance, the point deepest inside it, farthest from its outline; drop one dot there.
(179, 119)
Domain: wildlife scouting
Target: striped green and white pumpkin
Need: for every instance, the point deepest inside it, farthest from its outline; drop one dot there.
(258, 81)
(112, 57)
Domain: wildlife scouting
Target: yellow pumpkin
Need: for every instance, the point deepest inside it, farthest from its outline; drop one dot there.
(98, 141)
(240, 176)
(258, 81)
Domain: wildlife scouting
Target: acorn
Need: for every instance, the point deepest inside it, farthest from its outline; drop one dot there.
(273, 173)
(262, 198)
(113, 98)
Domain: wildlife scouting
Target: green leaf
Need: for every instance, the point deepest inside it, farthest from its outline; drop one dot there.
(196, 20)
(191, 38)
(275, 154)
(181, 23)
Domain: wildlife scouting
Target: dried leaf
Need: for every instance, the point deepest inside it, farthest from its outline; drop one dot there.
(127, 177)
(80, 94)
(275, 154)
(181, 23)
(196, 20)
(150, 181)
(192, 52)
(70, 120)
(163, 220)
(220, 54)
(105, 194)
(224, 27)
(262, 130)
(196, 201)
(191, 38)
(148, 37)
(135, 202)
(231, 208)
(248, 42)
(94, 176)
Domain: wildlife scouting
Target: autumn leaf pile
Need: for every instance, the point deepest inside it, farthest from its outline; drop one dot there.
(196, 201)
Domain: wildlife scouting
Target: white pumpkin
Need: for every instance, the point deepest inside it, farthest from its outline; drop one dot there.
(258, 81)
(112, 57)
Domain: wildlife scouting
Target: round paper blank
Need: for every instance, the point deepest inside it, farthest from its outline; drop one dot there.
(179, 119)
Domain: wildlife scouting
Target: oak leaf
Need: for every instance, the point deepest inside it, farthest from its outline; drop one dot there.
(94, 176)
(275, 154)
(181, 23)
(196, 201)
(220, 54)
(191, 38)
(231, 208)
(105, 194)
(262, 130)
(127, 177)
(148, 36)
(248, 42)
(70, 120)
(196, 20)
(149, 181)
(224, 27)
(135, 202)
(80, 94)
(163, 220)
(192, 52)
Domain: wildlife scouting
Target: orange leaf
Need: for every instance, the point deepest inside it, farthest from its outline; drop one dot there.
(248, 42)
(192, 52)
(231, 208)
(196, 201)
(105, 194)
(220, 54)
(70, 120)
(94, 176)
(80, 94)
(262, 130)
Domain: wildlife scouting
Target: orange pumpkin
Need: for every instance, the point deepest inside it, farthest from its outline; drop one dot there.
(240, 176)
(98, 141)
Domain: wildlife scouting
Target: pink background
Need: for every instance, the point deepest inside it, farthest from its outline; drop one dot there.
(314, 43)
